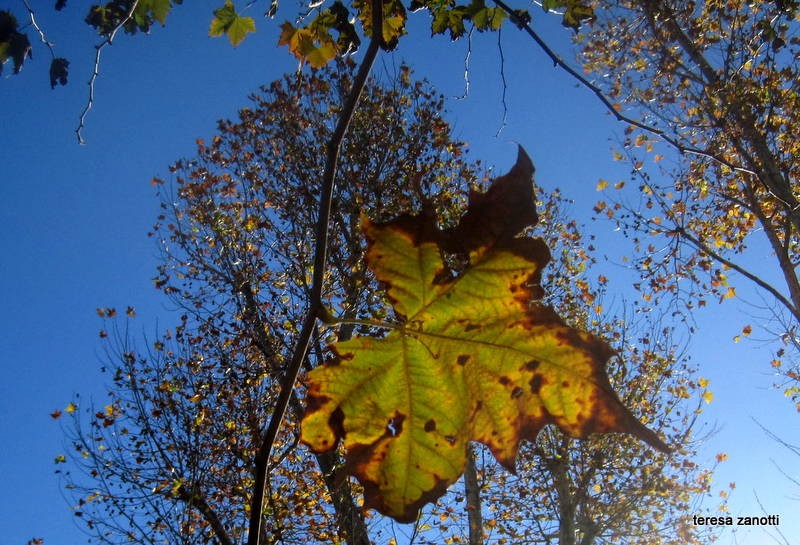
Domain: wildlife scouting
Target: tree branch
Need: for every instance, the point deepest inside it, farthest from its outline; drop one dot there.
(766, 170)
(198, 502)
(36, 26)
(96, 70)
(315, 305)
(559, 62)
(697, 243)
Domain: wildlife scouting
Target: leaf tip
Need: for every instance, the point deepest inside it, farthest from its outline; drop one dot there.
(524, 165)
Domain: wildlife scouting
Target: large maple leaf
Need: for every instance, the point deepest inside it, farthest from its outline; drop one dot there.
(474, 358)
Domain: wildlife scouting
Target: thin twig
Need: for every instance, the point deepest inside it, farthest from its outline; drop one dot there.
(559, 62)
(316, 308)
(697, 243)
(777, 529)
(503, 79)
(96, 70)
(466, 65)
(35, 25)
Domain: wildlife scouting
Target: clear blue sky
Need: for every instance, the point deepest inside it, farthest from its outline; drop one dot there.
(75, 220)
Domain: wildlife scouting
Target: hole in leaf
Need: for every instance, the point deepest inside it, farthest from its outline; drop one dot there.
(395, 425)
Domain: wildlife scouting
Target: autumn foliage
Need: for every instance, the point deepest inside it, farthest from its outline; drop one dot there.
(169, 456)
(474, 357)
(719, 82)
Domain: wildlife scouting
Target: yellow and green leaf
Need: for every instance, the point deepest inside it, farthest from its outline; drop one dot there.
(474, 357)
(227, 21)
(394, 20)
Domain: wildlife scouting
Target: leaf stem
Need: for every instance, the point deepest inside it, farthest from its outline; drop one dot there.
(366, 323)
(316, 309)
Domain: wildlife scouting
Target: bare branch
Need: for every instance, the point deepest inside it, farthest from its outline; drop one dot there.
(782, 540)
(199, 502)
(35, 25)
(697, 243)
(559, 62)
(466, 65)
(473, 496)
(503, 79)
(316, 308)
(96, 70)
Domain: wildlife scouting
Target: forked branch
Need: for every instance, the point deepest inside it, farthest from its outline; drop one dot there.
(316, 308)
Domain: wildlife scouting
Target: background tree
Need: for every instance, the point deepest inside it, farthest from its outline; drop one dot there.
(170, 457)
(719, 82)
(607, 489)
(315, 44)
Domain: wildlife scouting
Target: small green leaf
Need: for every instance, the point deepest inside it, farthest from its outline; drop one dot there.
(227, 21)
(13, 43)
(8, 25)
(337, 17)
(488, 18)
(575, 11)
(19, 48)
(240, 28)
(450, 19)
(319, 56)
(313, 45)
(157, 9)
(394, 20)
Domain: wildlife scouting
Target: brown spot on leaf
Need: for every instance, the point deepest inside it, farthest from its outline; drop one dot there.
(536, 384)
(462, 359)
(532, 365)
(374, 499)
(504, 380)
(516, 392)
(340, 357)
(314, 401)
(336, 423)
(430, 425)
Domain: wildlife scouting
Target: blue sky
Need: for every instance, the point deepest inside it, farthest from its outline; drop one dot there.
(75, 220)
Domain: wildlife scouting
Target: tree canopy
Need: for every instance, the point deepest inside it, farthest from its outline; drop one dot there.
(273, 273)
(720, 82)
(171, 455)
